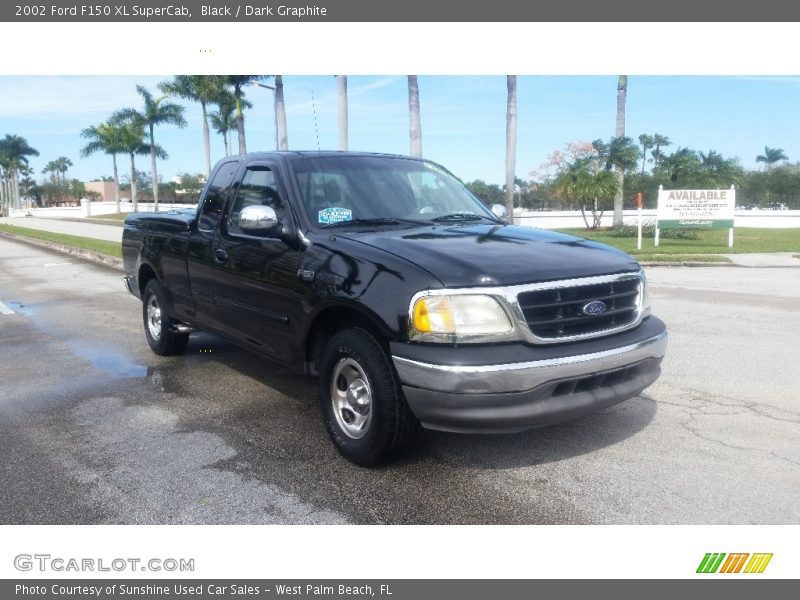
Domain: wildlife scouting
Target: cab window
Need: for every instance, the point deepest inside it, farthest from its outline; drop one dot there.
(216, 195)
(258, 188)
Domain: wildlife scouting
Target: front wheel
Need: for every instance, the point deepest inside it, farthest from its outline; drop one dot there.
(362, 405)
(158, 324)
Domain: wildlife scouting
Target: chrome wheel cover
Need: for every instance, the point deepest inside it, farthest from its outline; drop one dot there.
(351, 398)
(153, 317)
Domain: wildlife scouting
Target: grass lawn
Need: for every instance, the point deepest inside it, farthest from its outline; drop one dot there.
(101, 246)
(112, 219)
(708, 242)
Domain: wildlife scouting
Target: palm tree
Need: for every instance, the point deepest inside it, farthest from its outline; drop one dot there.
(238, 82)
(415, 127)
(104, 138)
(341, 81)
(659, 141)
(619, 153)
(647, 142)
(51, 169)
(131, 142)
(619, 133)
(14, 153)
(62, 165)
(27, 182)
(681, 165)
(156, 111)
(586, 181)
(511, 143)
(771, 156)
(197, 88)
(720, 171)
(280, 114)
(223, 120)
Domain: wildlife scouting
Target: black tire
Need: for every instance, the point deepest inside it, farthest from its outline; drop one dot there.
(158, 324)
(390, 425)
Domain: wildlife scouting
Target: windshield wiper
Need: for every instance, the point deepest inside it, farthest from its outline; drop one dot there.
(459, 216)
(372, 221)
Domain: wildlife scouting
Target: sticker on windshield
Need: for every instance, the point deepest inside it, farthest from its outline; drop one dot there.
(335, 215)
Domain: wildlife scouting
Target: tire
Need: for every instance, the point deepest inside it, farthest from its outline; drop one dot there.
(363, 407)
(158, 324)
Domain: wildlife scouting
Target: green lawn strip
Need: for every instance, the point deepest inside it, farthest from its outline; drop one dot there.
(745, 240)
(101, 246)
(95, 220)
(680, 258)
(113, 217)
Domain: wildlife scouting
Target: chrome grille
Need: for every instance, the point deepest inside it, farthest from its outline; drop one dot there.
(557, 312)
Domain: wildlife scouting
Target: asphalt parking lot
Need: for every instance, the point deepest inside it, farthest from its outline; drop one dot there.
(96, 429)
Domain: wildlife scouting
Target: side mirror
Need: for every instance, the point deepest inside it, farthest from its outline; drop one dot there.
(259, 220)
(499, 211)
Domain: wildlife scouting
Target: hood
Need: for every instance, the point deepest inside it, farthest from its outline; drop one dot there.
(482, 255)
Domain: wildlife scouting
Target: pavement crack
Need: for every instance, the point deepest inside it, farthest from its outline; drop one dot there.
(687, 426)
(759, 409)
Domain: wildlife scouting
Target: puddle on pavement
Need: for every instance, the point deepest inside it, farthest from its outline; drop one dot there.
(107, 360)
(20, 308)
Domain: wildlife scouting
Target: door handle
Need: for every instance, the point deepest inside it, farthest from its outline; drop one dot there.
(220, 255)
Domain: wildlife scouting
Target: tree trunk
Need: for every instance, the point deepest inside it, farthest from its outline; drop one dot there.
(227, 142)
(622, 92)
(206, 140)
(116, 183)
(237, 92)
(511, 144)
(341, 80)
(14, 189)
(153, 167)
(415, 127)
(280, 112)
(134, 199)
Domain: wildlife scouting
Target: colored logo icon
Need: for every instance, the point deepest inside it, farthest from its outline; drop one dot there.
(719, 562)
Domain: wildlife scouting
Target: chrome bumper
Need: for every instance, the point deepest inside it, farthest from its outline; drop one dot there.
(513, 397)
(519, 377)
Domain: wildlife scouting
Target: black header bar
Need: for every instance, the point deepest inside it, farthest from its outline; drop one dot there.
(399, 11)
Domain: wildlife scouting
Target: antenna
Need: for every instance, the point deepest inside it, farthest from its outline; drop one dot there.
(316, 128)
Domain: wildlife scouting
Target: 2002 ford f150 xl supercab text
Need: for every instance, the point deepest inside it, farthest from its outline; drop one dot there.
(412, 301)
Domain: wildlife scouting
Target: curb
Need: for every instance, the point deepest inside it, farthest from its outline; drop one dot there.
(90, 255)
(690, 264)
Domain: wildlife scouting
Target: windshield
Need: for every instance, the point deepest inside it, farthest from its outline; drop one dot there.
(382, 190)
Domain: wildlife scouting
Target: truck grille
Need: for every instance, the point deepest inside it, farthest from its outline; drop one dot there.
(557, 312)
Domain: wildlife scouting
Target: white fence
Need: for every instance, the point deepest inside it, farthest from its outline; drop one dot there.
(564, 219)
(92, 209)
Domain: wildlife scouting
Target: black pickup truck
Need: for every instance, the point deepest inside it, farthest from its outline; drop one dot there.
(412, 301)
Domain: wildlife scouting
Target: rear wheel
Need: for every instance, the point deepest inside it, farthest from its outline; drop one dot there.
(362, 404)
(158, 324)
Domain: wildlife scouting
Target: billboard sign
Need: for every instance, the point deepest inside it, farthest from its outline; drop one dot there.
(695, 209)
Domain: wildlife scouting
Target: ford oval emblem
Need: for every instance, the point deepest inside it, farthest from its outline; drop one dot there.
(594, 308)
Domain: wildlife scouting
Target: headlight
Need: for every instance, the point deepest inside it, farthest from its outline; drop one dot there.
(645, 303)
(456, 318)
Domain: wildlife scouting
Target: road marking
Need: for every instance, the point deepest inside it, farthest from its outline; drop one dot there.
(4, 310)
(55, 264)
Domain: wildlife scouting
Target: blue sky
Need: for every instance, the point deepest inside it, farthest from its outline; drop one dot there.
(463, 118)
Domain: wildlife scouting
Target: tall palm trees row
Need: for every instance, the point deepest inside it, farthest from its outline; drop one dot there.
(131, 131)
(14, 153)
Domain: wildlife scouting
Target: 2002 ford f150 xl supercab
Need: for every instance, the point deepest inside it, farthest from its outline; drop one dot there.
(412, 301)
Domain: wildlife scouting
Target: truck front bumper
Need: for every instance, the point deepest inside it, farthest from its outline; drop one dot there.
(519, 395)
